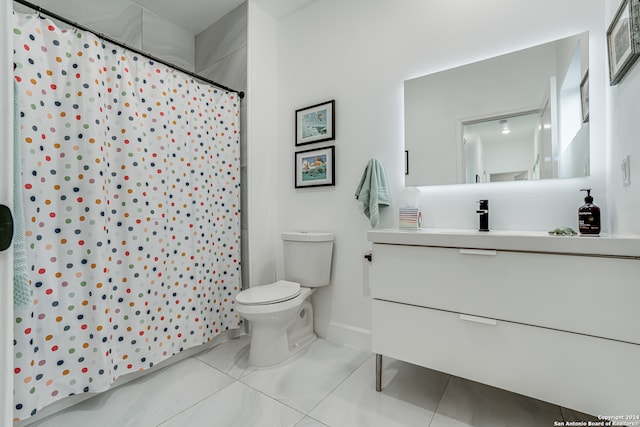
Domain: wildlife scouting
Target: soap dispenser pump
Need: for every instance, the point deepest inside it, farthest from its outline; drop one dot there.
(589, 216)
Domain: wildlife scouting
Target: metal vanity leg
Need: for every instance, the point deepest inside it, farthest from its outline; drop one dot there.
(378, 372)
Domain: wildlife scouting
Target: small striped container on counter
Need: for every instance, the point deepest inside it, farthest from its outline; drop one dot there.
(410, 219)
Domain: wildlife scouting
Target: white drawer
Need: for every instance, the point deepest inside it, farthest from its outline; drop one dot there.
(588, 374)
(589, 295)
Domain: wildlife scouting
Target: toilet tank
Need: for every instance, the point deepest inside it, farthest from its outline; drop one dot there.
(307, 258)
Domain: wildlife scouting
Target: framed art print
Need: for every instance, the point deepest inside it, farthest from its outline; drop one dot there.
(623, 40)
(315, 123)
(315, 168)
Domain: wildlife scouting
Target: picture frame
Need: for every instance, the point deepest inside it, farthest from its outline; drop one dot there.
(316, 123)
(623, 40)
(315, 167)
(584, 97)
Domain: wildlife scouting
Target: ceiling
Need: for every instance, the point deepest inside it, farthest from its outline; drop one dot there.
(196, 15)
(522, 129)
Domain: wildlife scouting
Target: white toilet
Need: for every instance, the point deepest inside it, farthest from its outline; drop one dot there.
(280, 314)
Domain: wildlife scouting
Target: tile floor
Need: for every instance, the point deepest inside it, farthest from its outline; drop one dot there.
(325, 385)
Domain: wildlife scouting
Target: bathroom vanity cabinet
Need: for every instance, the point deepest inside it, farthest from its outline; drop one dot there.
(554, 318)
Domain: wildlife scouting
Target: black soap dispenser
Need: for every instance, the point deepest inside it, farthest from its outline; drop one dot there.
(589, 216)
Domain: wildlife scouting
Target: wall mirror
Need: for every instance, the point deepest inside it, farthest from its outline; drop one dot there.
(519, 116)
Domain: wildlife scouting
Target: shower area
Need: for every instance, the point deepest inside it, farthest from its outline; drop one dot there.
(126, 209)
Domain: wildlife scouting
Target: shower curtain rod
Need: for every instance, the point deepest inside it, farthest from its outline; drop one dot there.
(53, 15)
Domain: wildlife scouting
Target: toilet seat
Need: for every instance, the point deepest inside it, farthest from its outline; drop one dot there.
(280, 291)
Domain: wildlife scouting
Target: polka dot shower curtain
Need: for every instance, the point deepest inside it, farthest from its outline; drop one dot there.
(130, 178)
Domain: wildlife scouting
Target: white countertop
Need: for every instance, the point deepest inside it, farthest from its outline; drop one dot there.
(529, 241)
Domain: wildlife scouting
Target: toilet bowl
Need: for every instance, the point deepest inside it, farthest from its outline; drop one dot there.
(281, 319)
(280, 314)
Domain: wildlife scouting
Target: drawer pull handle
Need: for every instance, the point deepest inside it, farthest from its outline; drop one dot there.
(485, 252)
(476, 319)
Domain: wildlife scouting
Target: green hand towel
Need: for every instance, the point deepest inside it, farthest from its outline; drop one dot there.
(373, 191)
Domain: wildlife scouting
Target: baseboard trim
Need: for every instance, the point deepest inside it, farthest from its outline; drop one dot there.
(349, 335)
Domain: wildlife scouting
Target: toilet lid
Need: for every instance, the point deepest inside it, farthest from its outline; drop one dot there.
(280, 291)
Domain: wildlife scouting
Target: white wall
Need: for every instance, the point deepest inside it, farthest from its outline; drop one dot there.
(623, 135)
(505, 158)
(359, 53)
(262, 157)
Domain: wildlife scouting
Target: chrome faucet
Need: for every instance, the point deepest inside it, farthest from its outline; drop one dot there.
(483, 213)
